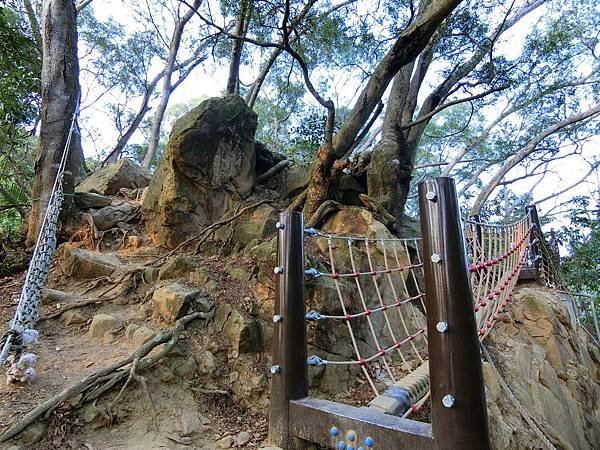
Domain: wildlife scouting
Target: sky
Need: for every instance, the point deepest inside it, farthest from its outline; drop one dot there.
(210, 80)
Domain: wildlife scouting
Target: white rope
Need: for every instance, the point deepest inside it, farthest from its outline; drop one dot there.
(21, 331)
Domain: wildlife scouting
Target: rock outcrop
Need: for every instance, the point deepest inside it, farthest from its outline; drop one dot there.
(552, 370)
(111, 179)
(208, 165)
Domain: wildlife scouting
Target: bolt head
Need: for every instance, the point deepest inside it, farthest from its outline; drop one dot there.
(278, 269)
(275, 369)
(448, 401)
(431, 196)
(277, 318)
(442, 327)
(436, 258)
(280, 225)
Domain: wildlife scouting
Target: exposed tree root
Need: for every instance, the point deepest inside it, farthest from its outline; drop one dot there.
(203, 234)
(81, 304)
(105, 379)
(388, 219)
(273, 170)
(298, 202)
(326, 208)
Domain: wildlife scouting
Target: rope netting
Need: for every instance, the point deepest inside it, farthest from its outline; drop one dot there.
(381, 300)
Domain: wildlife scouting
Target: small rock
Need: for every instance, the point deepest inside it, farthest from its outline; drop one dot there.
(206, 363)
(87, 200)
(226, 442)
(186, 369)
(84, 264)
(15, 447)
(33, 433)
(190, 422)
(130, 330)
(54, 296)
(176, 267)
(204, 420)
(73, 318)
(142, 335)
(243, 438)
(101, 324)
(172, 301)
(109, 216)
(134, 241)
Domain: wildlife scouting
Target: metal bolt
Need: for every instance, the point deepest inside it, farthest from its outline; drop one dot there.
(436, 258)
(275, 369)
(442, 327)
(280, 225)
(431, 196)
(277, 318)
(448, 401)
(278, 269)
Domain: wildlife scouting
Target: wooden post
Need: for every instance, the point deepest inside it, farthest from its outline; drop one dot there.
(289, 371)
(458, 408)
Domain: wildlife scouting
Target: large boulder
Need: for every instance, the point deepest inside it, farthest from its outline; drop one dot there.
(110, 179)
(208, 165)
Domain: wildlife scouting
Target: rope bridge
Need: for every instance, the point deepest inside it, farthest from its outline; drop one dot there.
(496, 254)
(415, 312)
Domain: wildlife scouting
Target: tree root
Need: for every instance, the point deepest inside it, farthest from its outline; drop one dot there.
(326, 208)
(70, 307)
(103, 380)
(273, 170)
(203, 234)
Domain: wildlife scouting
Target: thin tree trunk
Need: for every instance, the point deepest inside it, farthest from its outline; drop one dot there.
(241, 28)
(34, 25)
(135, 123)
(167, 87)
(527, 150)
(60, 91)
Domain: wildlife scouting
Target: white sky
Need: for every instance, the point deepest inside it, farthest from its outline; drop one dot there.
(207, 84)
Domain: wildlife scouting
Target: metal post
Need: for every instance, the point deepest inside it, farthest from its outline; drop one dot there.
(289, 371)
(458, 411)
(535, 249)
(592, 300)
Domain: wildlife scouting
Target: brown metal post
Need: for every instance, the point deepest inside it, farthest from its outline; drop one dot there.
(289, 371)
(458, 408)
(478, 238)
(536, 233)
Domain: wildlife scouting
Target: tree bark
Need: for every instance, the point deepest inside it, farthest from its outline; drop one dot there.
(241, 28)
(60, 91)
(167, 86)
(406, 48)
(527, 150)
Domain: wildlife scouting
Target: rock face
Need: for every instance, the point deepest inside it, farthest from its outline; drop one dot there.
(207, 166)
(552, 370)
(110, 179)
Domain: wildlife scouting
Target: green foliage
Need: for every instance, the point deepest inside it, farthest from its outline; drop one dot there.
(581, 267)
(582, 241)
(20, 67)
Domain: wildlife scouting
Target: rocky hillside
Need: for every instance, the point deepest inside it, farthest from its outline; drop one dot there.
(157, 319)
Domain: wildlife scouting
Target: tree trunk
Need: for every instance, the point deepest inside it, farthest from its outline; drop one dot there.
(167, 86)
(60, 91)
(241, 28)
(405, 50)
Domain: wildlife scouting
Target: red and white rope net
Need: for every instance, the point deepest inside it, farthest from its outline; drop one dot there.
(379, 271)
